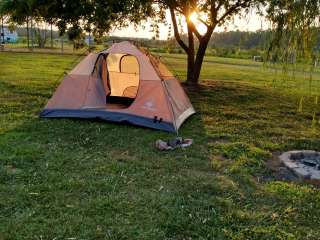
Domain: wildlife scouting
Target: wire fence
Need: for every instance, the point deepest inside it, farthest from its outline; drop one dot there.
(41, 40)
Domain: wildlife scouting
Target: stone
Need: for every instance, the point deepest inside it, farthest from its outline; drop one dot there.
(304, 164)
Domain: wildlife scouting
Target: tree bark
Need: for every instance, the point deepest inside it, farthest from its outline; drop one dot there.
(194, 80)
(203, 44)
(191, 55)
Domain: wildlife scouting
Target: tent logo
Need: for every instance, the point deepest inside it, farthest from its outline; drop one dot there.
(149, 105)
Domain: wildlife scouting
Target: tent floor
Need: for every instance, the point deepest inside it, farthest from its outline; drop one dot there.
(114, 102)
(116, 106)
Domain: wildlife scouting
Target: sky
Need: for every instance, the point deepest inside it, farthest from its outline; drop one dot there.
(251, 22)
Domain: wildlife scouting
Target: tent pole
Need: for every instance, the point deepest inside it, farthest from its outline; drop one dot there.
(171, 106)
(89, 43)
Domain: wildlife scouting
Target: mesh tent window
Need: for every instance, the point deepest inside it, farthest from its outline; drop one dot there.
(123, 73)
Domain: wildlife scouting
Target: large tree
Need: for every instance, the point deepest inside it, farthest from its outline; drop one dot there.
(211, 14)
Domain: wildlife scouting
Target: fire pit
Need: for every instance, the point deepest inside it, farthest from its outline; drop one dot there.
(305, 164)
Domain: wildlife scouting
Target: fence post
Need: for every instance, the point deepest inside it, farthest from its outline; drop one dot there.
(28, 33)
(32, 34)
(51, 36)
(2, 29)
(61, 45)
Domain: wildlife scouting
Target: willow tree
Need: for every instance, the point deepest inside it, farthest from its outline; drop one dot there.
(295, 29)
(296, 39)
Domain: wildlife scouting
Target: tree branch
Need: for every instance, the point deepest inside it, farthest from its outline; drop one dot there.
(195, 30)
(176, 31)
(233, 8)
(203, 22)
(213, 11)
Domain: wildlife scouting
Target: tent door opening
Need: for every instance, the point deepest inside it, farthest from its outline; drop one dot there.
(123, 80)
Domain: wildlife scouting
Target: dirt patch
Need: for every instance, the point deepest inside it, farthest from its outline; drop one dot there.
(12, 169)
(221, 158)
(219, 140)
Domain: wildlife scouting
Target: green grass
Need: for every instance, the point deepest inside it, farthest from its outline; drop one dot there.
(77, 179)
(294, 78)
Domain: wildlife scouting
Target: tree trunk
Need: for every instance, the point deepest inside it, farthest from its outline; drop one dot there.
(194, 73)
(28, 33)
(194, 62)
(203, 44)
(191, 55)
(51, 35)
(32, 34)
(198, 63)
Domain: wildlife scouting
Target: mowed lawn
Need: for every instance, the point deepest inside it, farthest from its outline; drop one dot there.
(78, 179)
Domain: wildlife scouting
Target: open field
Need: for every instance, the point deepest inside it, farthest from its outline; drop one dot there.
(76, 179)
(293, 78)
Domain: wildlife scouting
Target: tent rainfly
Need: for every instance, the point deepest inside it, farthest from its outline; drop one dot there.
(122, 84)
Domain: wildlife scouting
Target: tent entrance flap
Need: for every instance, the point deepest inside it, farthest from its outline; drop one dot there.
(123, 79)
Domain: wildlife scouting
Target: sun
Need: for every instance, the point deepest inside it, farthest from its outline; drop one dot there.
(193, 17)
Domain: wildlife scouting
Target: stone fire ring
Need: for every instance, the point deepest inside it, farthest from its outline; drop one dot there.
(304, 164)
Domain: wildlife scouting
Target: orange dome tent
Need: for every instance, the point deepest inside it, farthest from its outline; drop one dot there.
(122, 84)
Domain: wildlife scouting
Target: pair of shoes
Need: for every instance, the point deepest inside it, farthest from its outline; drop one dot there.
(173, 144)
(186, 142)
(162, 145)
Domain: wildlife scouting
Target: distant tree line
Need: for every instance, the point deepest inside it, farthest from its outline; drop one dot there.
(245, 40)
(230, 39)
